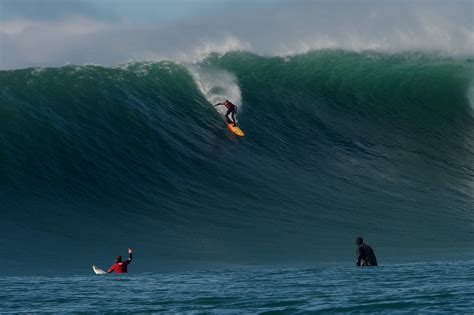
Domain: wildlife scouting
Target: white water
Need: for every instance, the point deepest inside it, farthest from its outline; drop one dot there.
(217, 85)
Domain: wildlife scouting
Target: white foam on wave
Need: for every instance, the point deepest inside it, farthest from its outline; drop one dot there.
(206, 47)
(216, 85)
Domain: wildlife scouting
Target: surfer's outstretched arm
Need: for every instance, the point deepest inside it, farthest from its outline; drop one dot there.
(130, 253)
(218, 104)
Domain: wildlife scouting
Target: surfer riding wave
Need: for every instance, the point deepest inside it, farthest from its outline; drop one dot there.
(231, 109)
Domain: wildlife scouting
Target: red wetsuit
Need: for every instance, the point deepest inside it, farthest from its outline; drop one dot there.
(121, 267)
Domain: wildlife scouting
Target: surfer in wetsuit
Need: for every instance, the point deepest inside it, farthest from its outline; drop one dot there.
(365, 254)
(231, 109)
(121, 266)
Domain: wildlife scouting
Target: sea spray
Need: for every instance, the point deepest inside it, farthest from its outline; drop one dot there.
(217, 85)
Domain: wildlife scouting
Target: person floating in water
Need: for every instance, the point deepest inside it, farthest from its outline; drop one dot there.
(365, 254)
(231, 109)
(121, 266)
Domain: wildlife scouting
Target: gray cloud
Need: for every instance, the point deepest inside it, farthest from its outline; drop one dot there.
(45, 9)
(287, 28)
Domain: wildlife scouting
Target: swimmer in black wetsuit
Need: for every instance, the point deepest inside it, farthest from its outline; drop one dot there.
(231, 109)
(365, 254)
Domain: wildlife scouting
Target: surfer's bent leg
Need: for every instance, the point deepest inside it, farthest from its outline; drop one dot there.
(233, 118)
(227, 116)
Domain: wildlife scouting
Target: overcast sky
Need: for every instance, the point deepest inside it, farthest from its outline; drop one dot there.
(58, 32)
(134, 11)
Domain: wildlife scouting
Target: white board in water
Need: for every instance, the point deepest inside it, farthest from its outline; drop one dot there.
(98, 271)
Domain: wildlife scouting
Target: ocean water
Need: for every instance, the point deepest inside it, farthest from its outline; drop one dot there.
(96, 159)
(430, 287)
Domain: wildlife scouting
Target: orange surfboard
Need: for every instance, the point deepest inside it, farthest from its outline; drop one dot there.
(235, 130)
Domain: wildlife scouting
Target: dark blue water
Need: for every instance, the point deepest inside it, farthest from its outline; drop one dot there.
(436, 287)
(97, 159)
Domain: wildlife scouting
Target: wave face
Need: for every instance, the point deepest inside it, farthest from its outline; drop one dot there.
(338, 144)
